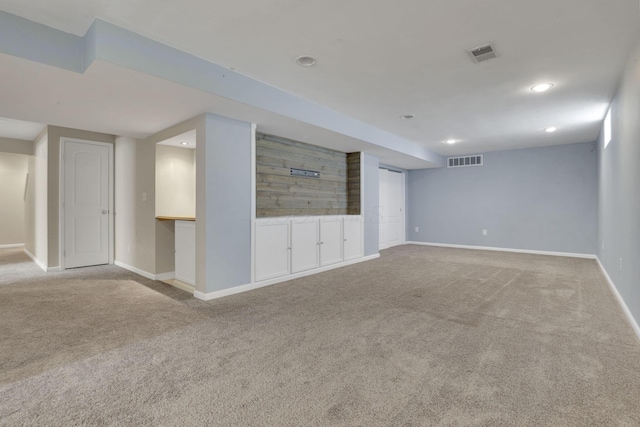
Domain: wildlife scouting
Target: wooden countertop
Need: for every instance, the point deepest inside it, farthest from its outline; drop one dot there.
(175, 218)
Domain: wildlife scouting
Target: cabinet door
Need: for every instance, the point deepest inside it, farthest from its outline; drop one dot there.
(330, 240)
(352, 237)
(304, 244)
(185, 233)
(272, 249)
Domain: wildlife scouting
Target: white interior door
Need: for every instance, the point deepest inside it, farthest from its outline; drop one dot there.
(383, 219)
(391, 217)
(395, 211)
(86, 204)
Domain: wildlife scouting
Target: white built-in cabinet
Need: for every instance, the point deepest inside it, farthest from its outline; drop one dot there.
(331, 242)
(305, 242)
(185, 233)
(292, 245)
(273, 256)
(352, 237)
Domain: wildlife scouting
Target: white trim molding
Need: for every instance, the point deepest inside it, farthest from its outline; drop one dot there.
(177, 283)
(159, 277)
(36, 260)
(15, 245)
(165, 276)
(251, 286)
(518, 251)
(623, 305)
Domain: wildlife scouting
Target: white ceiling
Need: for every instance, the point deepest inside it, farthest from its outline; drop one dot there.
(19, 129)
(378, 60)
(119, 101)
(186, 140)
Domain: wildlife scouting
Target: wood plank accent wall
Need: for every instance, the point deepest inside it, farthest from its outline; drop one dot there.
(280, 194)
(353, 183)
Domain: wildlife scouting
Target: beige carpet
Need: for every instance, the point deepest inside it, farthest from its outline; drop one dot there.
(421, 336)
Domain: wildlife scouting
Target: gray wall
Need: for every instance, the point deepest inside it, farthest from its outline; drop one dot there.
(16, 146)
(536, 199)
(619, 190)
(126, 198)
(35, 227)
(223, 204)
(15, 155)
(13, 180)
(371, 205)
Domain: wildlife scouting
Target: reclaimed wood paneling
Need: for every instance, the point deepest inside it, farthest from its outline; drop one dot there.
(280, 194)
(353, 183)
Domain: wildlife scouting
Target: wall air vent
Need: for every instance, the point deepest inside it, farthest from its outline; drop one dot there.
(482, 53)
(464, 161)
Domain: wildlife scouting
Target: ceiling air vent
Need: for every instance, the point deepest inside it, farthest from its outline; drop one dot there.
(464, 161)
(482, 53)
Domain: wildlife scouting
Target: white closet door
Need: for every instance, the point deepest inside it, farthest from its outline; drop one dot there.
(391, 210)
(395, 211)
(272, 249)
(383, 203)
(352, 231)
(304, 244)
(330, 240)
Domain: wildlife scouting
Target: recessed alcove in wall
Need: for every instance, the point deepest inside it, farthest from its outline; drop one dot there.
(176, 177)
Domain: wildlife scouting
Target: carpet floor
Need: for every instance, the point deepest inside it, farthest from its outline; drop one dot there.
(422, 336)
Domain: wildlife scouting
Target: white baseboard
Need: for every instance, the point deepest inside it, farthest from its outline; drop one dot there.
(165, 276)
(135, 270)
(519, 251)
(15, 245)
(184, 280)
(52, 269)
(180, 285)
(36, 260)
(160, 277)
(256, 285)
(623, 305)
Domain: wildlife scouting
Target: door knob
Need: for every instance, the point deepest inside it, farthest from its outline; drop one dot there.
(104, 211)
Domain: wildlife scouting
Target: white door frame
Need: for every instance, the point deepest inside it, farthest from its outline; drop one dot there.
(61, 210)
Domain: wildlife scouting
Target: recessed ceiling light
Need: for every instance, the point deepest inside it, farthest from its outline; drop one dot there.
(451, 141)
(542, 87)
(407, 117)
(551, 129)
(184, 143)
(306, 61)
